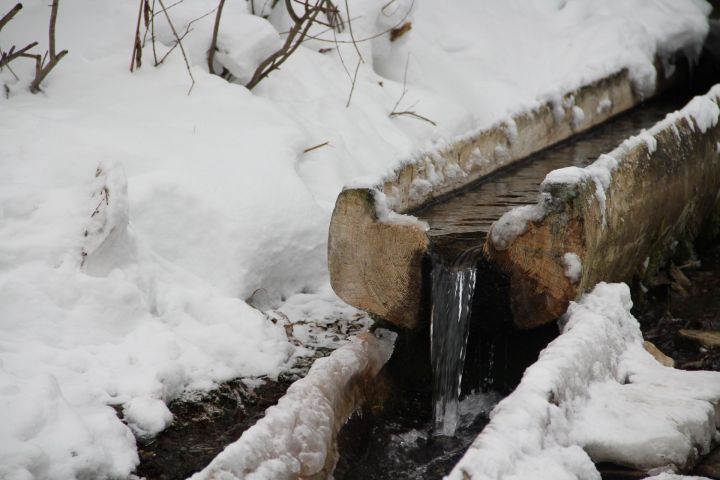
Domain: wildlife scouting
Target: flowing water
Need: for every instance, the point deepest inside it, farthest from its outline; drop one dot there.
(452, 294)
(435, 394)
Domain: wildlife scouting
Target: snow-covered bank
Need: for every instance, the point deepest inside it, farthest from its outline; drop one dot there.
(212, 196)
(595, 394)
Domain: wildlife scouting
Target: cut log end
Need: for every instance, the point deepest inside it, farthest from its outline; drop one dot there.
(374, 265)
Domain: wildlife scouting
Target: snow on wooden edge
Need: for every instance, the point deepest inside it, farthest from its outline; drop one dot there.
(702, 113)
(296, 438)
(595, 394)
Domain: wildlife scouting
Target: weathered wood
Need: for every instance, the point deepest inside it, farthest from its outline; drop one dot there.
(438, 173)
(373, 265)
(376, 266)
(657, 197)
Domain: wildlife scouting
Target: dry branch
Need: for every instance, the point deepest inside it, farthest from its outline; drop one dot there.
(179, 42)
(320, 145)
(8, 16)
(213, 43)
(294, 39)
(42, 69)
(136, 60)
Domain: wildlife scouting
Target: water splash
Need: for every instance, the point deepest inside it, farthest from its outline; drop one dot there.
(452, 293)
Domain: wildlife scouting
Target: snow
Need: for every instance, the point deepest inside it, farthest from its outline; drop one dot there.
(672, 476)
(387, 215)
(573, 266)
(135, 219)
(296, 437)
(701, 113)
(578, 403)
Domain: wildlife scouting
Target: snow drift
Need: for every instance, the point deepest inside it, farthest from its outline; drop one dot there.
(595, 394)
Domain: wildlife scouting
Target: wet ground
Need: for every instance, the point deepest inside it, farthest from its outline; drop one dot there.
(205, 423)
(671, 307)
(397, 443)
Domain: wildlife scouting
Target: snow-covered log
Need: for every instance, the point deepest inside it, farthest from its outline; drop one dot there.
(615, 218)
(596, 395)
(374, 261)
(296, 438)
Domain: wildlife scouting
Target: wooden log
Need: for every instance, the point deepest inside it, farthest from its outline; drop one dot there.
(660, 194)
(374, 265)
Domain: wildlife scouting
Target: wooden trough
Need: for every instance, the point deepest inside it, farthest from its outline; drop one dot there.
(656, 196)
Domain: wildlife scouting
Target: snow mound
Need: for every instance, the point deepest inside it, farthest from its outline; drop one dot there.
(595, 394)
(296, 437)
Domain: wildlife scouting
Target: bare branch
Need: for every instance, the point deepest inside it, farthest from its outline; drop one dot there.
(213, 43)
(361, 40)
(179, 42)
(136, 60)
(51, 32)
(188, 29)
(310, 149)
(9, 16)
(294, 39)
(414, 115)
(352, 35)
(44, 65)
(354, 79)
(409, 113)
(7, 57)
(43, 71)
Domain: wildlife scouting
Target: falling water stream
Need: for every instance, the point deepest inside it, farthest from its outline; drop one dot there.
(452, 293)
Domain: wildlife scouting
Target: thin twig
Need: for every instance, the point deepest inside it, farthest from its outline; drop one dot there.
(371, 37)
(216, 28)
(316, 147)
(354, 79)
(342, 60)
(410, 113)
(179, 42)
(136, 60)
(413, 114)
(352, 35)
(404, 90)
(182, 37)
(152, 33)
(11, 55)
(9, 16)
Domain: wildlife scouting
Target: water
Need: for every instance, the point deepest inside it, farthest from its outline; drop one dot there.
(399, 443)
(463, 220)
(452, 295)
(430, 406)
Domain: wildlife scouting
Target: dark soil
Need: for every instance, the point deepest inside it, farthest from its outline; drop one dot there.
(665, 311)
(205, 423)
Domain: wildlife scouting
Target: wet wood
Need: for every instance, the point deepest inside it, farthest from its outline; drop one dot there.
(377, 266)
(708, 339)
(638, 221)
(373, 265)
